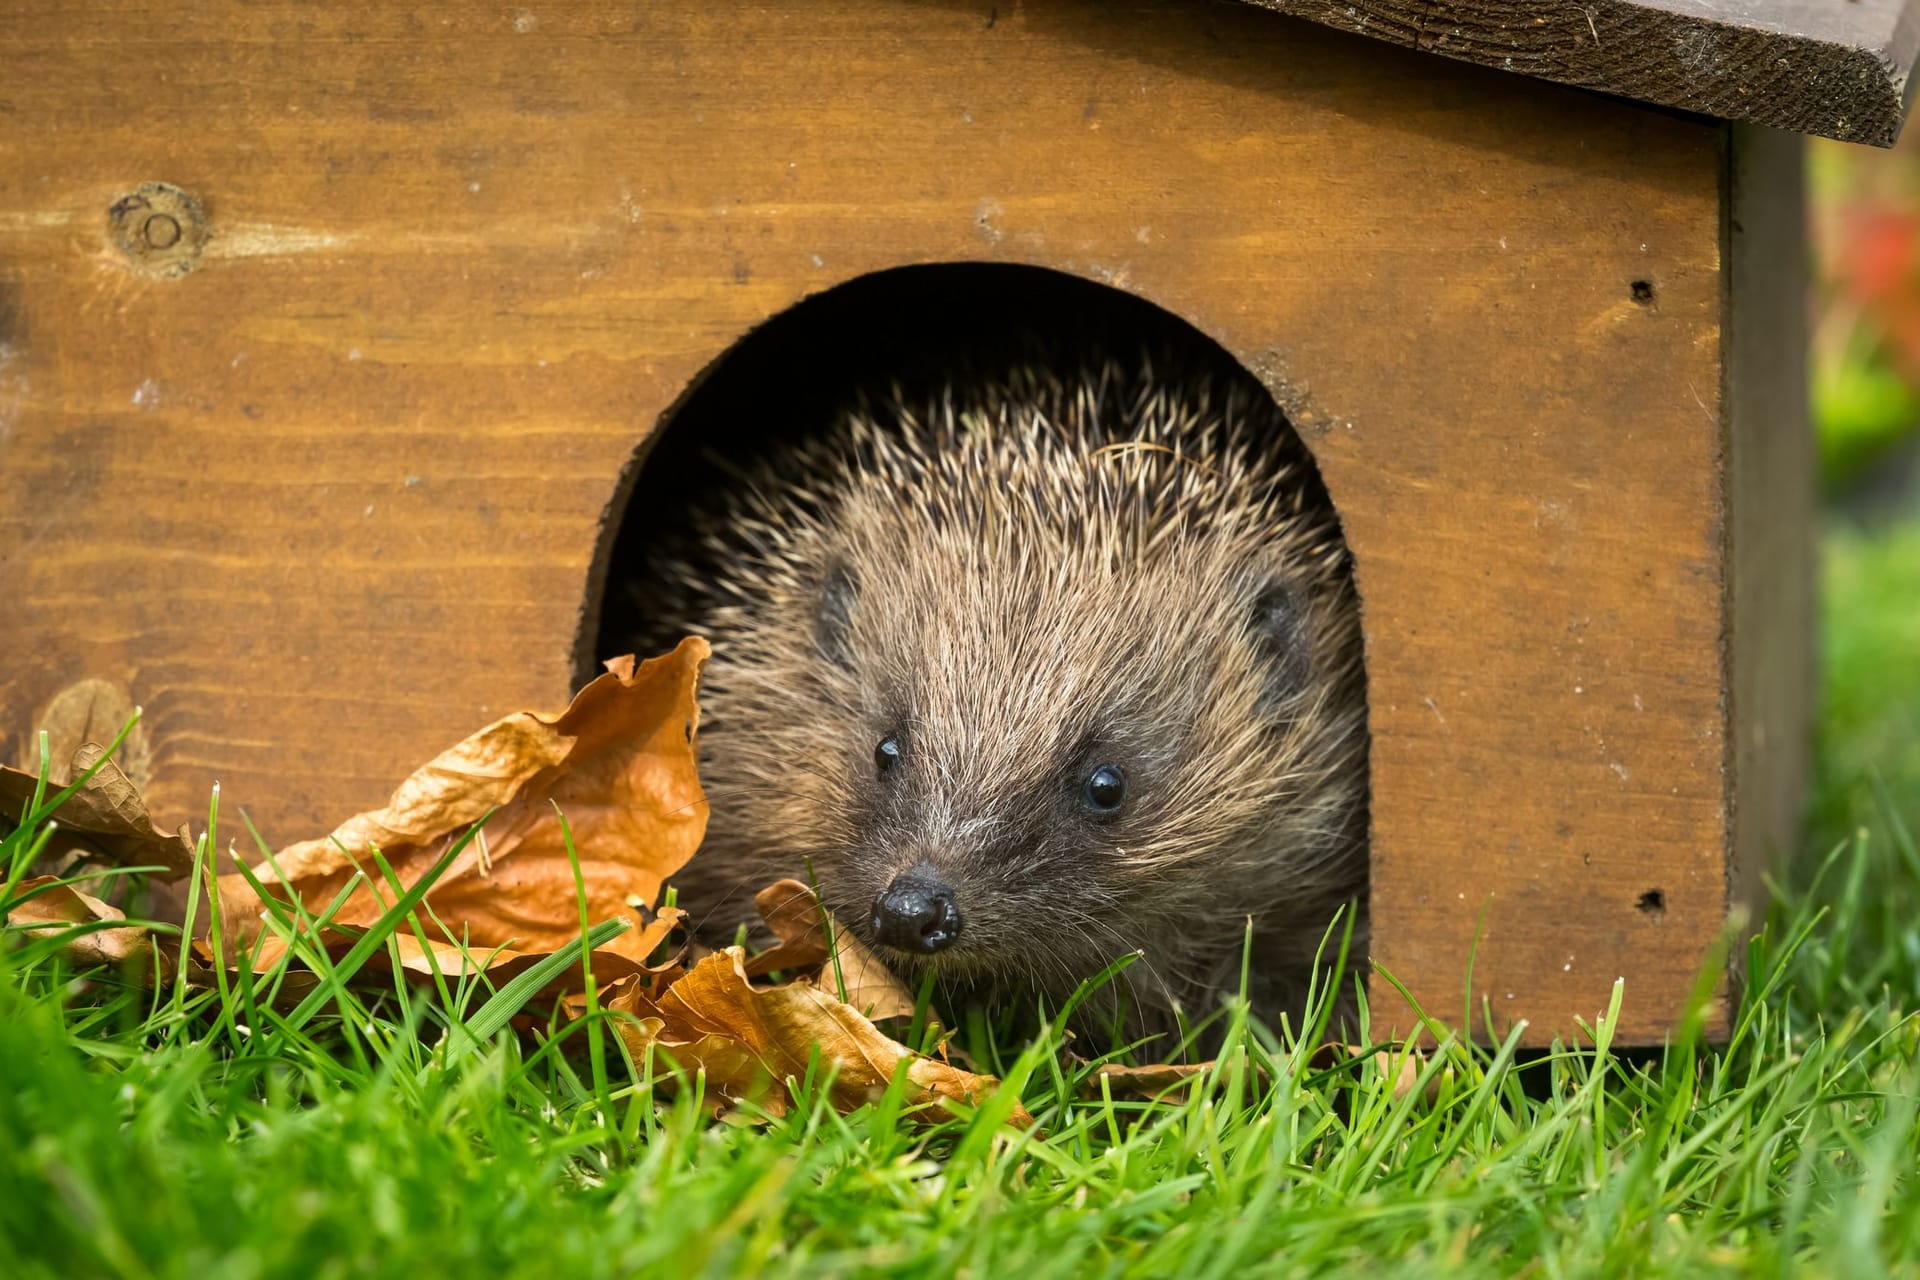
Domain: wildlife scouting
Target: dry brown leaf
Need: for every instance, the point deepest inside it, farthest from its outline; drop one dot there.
(864, 980)
(106, 815)
(419, 960)
(619, 763)
(90, 710)
(751, 1040)
(1148, 1082)
(793, 913)
(55, 907)
(1157, 1079)
(1404, 1069)
(851, 971)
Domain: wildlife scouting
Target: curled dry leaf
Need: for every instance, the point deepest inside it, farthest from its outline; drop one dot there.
(55, 907)
(849, 970)
(106, 816)
(619, 763)
(796, 918)
(90, 710)
(751, 1040)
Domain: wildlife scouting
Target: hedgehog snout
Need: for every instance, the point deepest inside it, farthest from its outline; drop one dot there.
(917, 912)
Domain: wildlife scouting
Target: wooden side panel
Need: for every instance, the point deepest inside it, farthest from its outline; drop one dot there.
(1772, 476)
(331, 498)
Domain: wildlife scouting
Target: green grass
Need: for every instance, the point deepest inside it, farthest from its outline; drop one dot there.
(203, 1134)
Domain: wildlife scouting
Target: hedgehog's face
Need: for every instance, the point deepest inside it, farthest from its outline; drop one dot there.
(1045, 766)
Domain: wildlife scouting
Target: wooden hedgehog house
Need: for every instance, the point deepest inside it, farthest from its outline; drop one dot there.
(334, 339)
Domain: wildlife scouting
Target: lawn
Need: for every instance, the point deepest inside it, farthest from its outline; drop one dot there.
(197, 1133)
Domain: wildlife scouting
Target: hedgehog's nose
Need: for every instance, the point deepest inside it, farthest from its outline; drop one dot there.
(916, 913)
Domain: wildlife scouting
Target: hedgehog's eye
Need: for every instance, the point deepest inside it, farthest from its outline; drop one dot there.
(886, 756)
(1106, 788)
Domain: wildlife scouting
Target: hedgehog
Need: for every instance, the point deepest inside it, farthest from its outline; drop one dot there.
(1033, 672)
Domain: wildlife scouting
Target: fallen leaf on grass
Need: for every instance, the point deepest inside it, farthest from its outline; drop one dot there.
(750, 1041)
(420, 960)
(1405, 1068)
(865, 982)
(106, 815)
(1151, 1081)
(1402, 1067)
(849, 969)
(794, 914)
(1156, 1080)
(56, 907)
(619, 763)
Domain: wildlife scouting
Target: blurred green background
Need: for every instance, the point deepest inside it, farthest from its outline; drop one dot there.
(1865, 213)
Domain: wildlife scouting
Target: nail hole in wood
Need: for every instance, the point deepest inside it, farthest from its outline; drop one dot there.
(158, 228)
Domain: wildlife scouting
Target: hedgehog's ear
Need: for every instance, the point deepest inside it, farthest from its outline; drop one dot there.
(833, 615)
(1279, 618)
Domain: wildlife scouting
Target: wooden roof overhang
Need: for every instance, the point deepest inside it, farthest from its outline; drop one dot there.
(1836, 68)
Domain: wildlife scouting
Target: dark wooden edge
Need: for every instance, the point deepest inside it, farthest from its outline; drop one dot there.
(1835, 68)
(1772, 669)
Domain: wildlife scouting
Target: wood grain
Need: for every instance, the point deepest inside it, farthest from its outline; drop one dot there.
(333, 497)
(1838, 68)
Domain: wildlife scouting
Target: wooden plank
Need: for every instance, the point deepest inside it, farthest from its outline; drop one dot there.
(1770, 439)
(333, 497)
(1838, 68)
